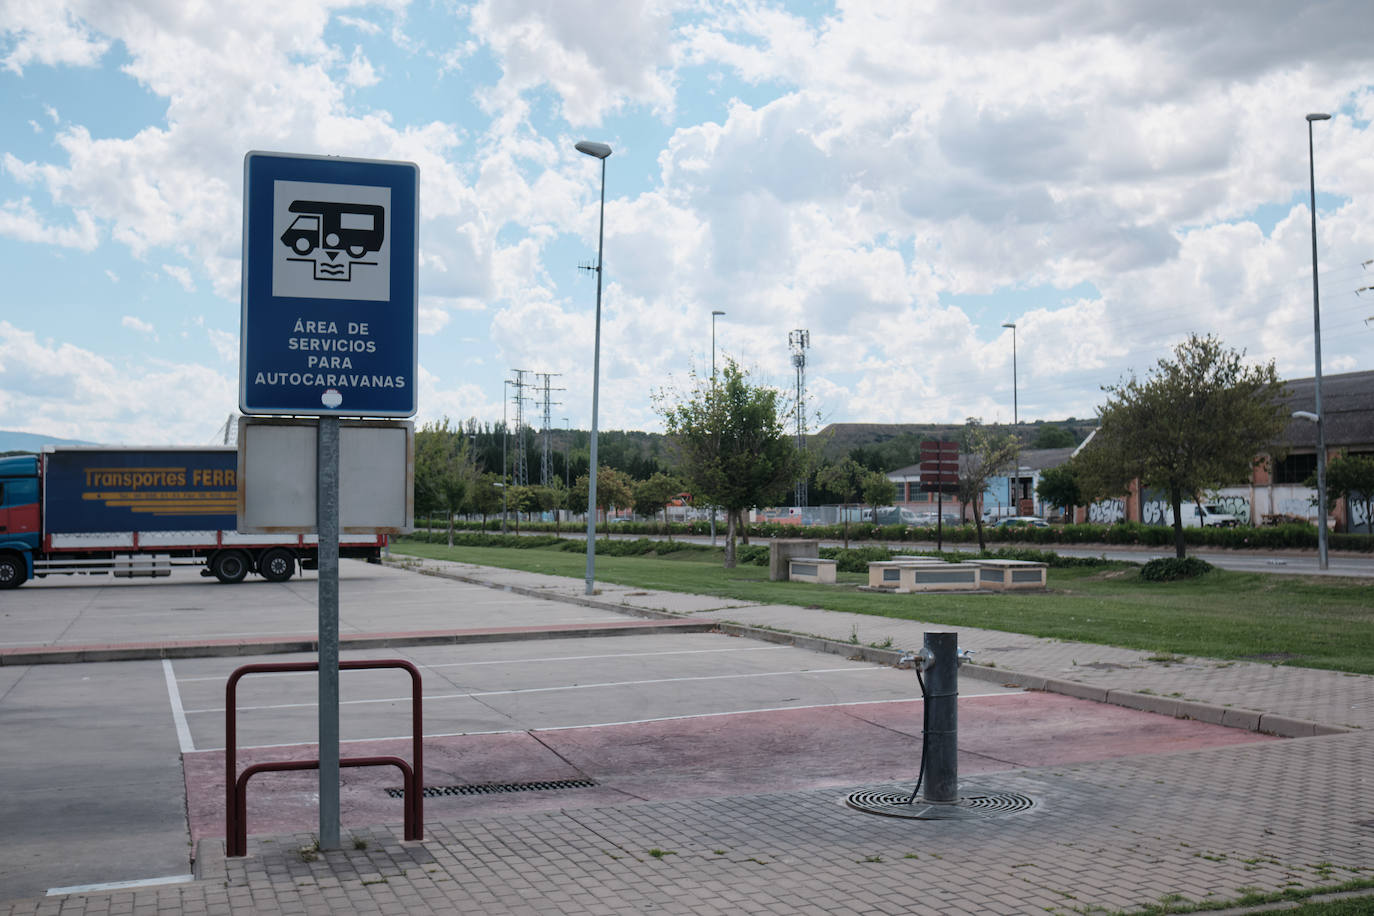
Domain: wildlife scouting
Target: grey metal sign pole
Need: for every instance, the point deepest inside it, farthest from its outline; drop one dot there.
(327, 526)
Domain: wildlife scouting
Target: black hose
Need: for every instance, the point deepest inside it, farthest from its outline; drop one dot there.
(925, 732)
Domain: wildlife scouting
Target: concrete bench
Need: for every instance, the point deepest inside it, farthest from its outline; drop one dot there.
(923, 574)
(811, 569)
(1006, 575)
(781, 550)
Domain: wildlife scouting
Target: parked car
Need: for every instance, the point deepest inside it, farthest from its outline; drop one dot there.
(1023, 521)
(1204, 515)
(892, 515)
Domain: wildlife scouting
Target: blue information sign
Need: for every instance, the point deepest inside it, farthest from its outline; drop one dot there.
(330, 304)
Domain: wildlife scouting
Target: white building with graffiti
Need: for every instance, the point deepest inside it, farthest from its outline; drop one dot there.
(1277, 490)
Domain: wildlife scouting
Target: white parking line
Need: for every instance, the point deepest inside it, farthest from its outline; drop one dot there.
(543, 659)
(702, 715)
(499, 693)
(119, 885)
(178, 713)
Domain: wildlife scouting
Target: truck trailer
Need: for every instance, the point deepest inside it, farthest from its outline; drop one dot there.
(139, 512)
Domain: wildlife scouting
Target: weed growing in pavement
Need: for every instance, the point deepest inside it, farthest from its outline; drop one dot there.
(311, 852)
(869, 859)
(660, 853)
(359, 843)
(853, 634)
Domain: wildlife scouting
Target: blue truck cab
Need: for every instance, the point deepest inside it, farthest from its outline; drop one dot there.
(20, 532)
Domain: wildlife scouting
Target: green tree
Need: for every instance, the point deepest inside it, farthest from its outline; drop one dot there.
(1051, 436)
(1195, 423)
(485, 496)
(521, 499)
(985, 454)
(1352, 477)
(878, 491)
(845, 479)
(653, 495)
(733, 445)
(553, 498)
(1059, 488)
(443, 470)
(614, 490)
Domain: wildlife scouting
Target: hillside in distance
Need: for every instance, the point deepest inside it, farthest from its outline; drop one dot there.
(12, 441)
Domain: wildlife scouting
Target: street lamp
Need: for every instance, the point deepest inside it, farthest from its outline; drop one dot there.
(1015, 421)
(504, 436)
(599, 151)
(1015, 415)
(715, 313)
(567, 457)
(1317, 349)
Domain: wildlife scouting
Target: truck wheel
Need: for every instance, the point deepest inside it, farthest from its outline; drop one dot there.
(277, 565)
(12, 572)
(229, 566)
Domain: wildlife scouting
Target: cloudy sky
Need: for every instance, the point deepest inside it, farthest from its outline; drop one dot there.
(900, 179)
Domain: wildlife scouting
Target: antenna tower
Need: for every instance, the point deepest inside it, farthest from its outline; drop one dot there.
(546, 462)
(522, 464)
(800, 340)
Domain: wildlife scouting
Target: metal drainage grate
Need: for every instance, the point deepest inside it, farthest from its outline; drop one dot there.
(968, 807)
(552, 785)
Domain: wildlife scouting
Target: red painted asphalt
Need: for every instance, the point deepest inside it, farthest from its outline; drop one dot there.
(742, 754)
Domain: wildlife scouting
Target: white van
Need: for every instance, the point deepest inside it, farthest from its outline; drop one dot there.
(1206, 515)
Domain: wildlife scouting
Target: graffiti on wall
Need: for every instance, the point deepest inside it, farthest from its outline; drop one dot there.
(1239, 506)
(1156, 512)
(1107, 512)
(1159, 512)
(1360, 521)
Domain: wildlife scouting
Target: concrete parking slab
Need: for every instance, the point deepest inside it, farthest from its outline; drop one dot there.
(92, 777)
(1115, 831)
(85, 610)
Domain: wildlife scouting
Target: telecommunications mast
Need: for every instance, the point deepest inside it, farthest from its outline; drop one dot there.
(799, 340)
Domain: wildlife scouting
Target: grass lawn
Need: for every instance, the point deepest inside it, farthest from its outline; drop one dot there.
(1308, 621)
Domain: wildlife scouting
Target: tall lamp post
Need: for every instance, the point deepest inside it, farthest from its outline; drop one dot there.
(1015, 414)
(1015, 421)
(1317, 349)
(567, 458)
(598, 151)
(715, 313)
(505, 434)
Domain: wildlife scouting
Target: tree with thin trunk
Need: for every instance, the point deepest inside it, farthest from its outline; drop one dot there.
(845, 479)
(652, 496)
(1058, 487)
(1194, 424)
(1352, 477)
(732, 443)
(985, 454)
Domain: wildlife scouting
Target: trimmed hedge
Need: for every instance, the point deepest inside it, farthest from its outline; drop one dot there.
(1170, 569)
(1277, 537)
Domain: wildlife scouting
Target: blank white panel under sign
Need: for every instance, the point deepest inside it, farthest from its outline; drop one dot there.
(278, 478)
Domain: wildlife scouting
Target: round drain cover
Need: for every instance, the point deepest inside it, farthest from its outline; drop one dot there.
(894, 803)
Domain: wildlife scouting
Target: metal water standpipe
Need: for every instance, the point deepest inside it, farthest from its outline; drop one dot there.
(939, 661)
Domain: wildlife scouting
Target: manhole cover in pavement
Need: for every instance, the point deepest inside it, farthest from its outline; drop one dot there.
(892, 803)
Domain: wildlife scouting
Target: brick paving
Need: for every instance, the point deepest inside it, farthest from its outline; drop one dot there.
(1193, 827)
